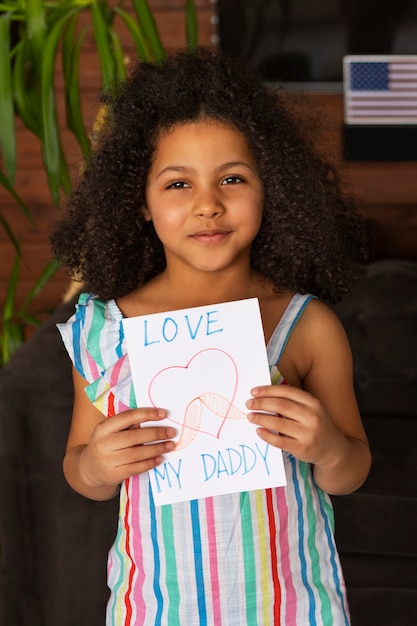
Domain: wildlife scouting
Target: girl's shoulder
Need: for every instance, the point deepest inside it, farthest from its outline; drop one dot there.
(319, 323)
(318, 340)
(312, 331)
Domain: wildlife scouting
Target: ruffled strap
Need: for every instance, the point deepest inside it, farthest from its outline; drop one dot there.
(95, 342)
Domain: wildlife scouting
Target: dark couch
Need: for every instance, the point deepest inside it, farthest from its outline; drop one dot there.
(376, 527)
(54, 543)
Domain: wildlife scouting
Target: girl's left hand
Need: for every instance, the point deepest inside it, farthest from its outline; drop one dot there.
(296, 422)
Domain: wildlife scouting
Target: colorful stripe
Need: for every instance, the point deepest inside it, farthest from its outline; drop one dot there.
(213, 556)
(137, 564)
(159, 599)
(301, 547)
(267, 594)
(128, 594)
(274, 558)
(248, 558)
(339, 585)
(171, 566)
(289, 607)
(198, 563)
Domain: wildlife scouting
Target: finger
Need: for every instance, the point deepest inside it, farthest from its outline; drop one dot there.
(281, 391)
(278, 440)
(139, 454)
(275, 425)
(136, 462)
(143, 436)
(135, 417)
(279, 406)
(142, 466)
(264, 420)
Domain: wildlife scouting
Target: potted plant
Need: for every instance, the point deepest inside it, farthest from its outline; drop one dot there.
(36, 35)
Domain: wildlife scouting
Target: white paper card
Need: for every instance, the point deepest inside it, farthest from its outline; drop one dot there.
(200, 364)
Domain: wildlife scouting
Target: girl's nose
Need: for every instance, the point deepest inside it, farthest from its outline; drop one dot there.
(208, 205)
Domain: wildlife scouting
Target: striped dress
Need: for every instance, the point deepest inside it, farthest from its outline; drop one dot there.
(260, 558)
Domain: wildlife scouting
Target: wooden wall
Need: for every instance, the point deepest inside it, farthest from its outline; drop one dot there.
(387, 191)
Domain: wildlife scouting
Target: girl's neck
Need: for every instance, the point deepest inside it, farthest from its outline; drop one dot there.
(199, 290)
(165, 292)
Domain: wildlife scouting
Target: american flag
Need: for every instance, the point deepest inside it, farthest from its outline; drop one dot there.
(380, 89)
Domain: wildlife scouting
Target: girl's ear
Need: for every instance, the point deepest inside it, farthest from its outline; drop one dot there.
(146, 213)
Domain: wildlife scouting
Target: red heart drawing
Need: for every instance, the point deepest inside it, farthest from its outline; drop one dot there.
(189, 391)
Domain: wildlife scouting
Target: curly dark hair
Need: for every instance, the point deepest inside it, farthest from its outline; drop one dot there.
(311, 238)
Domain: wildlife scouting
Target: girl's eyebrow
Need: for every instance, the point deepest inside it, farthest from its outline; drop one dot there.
(230, 164)
(182, 169)
(185, 169)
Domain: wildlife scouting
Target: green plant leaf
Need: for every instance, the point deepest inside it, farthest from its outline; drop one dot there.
(146, 19)
(7, 127)
(28, 110)
(11, 338)
(29, 320)
(67, 43)
(119, 57)
(60, 8)
(191, 25)
(8, 309)
(65, 180)
(103, 48)
(10, 234)
(71, 49)
(51, 145)
(36, 30)
(12, 328)
(142, 49)
(45, 276)
(12, 191)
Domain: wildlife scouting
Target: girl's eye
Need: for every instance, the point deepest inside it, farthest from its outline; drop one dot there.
(232, 180)
(179, 184)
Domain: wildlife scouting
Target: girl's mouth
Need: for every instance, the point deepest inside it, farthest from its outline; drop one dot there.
(210, 236)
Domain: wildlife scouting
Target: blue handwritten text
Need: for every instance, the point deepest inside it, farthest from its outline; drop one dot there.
(171, 329)
(231, 461)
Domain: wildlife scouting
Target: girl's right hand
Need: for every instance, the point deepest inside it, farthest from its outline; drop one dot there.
(123, 445)
(102, 452)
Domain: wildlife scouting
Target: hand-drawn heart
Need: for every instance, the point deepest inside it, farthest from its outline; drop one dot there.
(210, 378)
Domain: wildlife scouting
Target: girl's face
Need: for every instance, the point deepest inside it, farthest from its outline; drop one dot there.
(204, 196)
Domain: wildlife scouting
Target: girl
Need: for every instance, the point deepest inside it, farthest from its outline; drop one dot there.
(203, 189)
